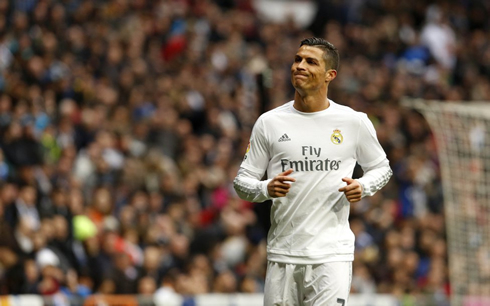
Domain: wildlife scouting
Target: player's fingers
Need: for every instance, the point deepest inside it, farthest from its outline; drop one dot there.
(281, 189)
(347, 188)
(283, 178)
(353, 192)
(283, 184)
(344, 188)
(353, 199)
(278, 194)
(348, 180)
(352, 196)
(277, 188)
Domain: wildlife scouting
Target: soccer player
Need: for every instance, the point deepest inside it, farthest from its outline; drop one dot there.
(309, 148)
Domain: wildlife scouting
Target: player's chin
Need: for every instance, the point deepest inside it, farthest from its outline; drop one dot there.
(298, 82)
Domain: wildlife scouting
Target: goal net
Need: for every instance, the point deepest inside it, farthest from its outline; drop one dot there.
(462, 133)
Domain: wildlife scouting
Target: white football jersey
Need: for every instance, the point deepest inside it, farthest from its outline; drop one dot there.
(310, 225)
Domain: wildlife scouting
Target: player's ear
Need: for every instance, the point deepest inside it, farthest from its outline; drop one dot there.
(330, 74)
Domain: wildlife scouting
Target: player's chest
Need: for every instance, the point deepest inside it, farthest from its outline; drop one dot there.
(313, 140)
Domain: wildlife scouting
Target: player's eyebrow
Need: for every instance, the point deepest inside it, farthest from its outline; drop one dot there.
(312, 59)
(306, 58)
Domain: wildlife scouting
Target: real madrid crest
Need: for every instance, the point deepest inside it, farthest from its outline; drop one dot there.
(336, 137)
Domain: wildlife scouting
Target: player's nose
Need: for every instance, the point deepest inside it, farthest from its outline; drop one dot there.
(301, 65)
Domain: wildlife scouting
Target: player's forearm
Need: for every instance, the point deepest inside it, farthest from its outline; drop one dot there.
(249, 187)
(375, 178)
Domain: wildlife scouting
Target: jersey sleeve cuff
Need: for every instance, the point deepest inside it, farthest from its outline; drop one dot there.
(265, 191)
(363, 186)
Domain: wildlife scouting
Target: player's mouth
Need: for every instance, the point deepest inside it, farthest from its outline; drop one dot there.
(299, 75)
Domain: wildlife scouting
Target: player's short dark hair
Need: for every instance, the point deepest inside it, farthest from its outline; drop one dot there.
(330, 53)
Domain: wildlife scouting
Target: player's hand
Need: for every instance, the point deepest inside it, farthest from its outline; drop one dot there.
(353, 190)
(279, 185)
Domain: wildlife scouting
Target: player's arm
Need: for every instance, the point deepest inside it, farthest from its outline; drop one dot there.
(249, 187)
(375, 177)
(372, 158)
(248, 183)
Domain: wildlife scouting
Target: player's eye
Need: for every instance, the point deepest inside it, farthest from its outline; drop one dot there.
(297, 59)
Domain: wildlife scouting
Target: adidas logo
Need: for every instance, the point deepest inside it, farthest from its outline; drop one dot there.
(284, 138)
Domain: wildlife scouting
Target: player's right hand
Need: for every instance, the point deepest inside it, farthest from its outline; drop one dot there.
(280, 184)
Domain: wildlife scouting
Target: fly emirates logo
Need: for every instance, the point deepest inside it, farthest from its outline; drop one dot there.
(311, 161)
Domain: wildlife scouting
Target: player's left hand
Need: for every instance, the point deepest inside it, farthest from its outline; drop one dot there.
(353, 190)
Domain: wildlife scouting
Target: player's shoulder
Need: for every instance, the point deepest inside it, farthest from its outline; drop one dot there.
(347, 111)
(277, 112)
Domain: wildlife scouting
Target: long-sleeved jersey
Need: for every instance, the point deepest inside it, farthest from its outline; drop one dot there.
(310, 224)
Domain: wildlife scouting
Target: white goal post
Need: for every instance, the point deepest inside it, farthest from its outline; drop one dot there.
(462, 133)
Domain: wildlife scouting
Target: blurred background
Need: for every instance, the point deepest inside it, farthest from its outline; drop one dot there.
(124, 122)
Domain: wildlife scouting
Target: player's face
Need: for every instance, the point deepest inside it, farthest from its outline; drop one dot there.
(308, 71)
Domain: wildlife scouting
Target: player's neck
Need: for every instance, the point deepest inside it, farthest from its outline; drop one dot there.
(311, 103)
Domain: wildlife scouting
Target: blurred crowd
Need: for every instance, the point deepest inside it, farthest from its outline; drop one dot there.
(123, 123)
